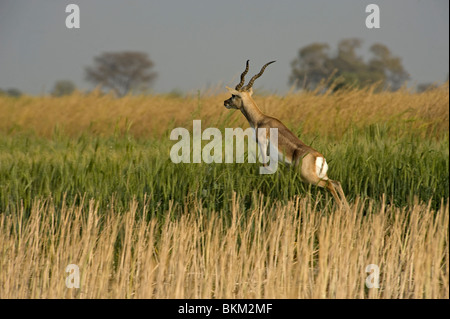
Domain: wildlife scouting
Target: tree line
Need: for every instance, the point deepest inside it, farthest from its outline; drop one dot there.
(345, 68)
(315, 66)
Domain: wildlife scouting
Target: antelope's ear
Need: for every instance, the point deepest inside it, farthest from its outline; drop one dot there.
(232, 91)
(250, 91)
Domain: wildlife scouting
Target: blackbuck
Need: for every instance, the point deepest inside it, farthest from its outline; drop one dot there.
(312, 164)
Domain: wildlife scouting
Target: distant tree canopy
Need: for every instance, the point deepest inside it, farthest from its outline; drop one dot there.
(314, 65)
(11, 92)
(426, 87)
(63, 87)
(122, 72)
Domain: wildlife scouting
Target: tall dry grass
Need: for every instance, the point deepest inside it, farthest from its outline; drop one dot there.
(278, 251)
(325, 114)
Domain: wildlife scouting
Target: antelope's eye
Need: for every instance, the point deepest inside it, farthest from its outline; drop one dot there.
(233, 96)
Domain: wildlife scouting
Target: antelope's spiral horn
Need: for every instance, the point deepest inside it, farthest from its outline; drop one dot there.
(250, 84)
(238, 87)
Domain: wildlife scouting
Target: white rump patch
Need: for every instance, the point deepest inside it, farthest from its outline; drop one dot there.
(321, 167)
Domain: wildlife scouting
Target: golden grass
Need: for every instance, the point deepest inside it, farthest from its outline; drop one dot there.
(143, 116)
(286, 250)
(282, 251)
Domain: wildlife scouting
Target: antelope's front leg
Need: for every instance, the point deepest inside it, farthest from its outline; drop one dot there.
(263, 144)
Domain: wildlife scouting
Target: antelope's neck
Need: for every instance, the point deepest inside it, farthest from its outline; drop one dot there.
(251, 112)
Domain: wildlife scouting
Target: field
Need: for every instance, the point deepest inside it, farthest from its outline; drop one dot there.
(87, 180)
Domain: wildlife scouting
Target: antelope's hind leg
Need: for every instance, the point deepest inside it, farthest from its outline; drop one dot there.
(332, 187)
(309, 174)
(338, 187)
(313, 171)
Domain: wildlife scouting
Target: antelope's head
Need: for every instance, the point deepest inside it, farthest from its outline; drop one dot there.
(240, 92)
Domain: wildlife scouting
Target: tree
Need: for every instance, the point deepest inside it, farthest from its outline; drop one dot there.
(63, 87)
(384, 63)
(311, 66)
(122, 72)
(346, 68)
(14, 92)
(423, 87)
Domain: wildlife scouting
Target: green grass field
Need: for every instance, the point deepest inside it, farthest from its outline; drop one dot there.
(368, 162)
(68, 162)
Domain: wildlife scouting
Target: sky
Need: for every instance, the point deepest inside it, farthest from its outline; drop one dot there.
(201, 44)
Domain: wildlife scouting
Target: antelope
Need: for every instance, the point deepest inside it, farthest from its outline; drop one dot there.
(291, 150)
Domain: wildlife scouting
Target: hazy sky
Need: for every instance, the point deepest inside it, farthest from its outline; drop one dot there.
(199, 44)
